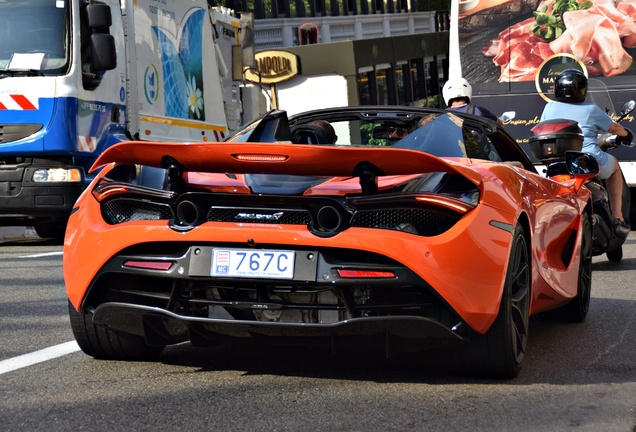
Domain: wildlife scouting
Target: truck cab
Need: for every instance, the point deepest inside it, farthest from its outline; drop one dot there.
(79, 76)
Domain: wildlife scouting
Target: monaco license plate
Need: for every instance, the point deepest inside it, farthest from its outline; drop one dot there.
(250, 263)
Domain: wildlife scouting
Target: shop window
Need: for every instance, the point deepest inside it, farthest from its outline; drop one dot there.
(383, 80)
(403, 83)
(367, 92)
(434, 70)
(429, 78)
(417, 79)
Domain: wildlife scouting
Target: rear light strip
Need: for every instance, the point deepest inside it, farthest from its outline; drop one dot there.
(364, 274)
(451, 204)
(109, 189)
(148, 265)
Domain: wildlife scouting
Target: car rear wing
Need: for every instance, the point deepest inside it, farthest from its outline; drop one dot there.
(281, 158)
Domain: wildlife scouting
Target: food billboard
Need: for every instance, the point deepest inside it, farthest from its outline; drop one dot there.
(511, 51)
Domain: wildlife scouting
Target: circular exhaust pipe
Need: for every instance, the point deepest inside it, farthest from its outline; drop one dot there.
(328, 219)
(188, 212)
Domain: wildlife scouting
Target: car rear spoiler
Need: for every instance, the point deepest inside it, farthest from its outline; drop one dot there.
(280, 158)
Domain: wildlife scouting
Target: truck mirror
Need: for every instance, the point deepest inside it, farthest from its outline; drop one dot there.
(103, 52)
(99, 16)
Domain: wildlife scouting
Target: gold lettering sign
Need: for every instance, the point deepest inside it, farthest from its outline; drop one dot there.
(273, 66)
(550, 69)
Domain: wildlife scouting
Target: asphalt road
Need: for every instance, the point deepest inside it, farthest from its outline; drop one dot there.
(576, 377)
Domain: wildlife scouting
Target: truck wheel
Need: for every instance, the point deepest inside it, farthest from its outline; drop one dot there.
(54, 231)
(102, 343)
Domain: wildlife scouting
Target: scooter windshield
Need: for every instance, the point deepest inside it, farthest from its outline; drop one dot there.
(598, 94)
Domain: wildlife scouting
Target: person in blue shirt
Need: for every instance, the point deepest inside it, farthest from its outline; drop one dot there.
(457, 94)
(570, 92)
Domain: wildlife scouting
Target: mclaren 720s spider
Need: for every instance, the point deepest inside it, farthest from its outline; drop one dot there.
(446, 238)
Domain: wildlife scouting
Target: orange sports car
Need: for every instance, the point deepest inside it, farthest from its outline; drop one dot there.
(417, 228)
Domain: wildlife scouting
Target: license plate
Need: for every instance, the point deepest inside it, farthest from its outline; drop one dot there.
(250, 263)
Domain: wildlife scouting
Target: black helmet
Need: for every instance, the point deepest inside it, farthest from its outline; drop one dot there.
(570, 86)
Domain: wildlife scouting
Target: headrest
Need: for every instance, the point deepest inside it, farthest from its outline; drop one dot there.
(308, 134)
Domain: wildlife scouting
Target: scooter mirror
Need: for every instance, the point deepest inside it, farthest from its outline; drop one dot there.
(628, 107)
(507, 116)
(581, 163)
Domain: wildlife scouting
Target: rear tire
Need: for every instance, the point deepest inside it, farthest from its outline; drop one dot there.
(102, 343)
(499, 352)
(576, 310)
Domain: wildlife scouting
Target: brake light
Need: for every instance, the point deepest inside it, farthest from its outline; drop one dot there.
(106, 190)
(148, 265)
(451, 204)
(366, 274)
(261, 157)
(101, 193)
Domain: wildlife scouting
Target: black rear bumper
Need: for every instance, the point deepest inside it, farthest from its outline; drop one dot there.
(390, 333)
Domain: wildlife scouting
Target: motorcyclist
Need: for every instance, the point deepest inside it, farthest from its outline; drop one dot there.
(457, 93)
(570, 91)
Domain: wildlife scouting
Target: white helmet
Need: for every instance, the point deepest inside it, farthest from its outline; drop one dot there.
(457, 88)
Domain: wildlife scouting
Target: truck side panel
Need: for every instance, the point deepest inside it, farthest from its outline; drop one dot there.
(178, 83)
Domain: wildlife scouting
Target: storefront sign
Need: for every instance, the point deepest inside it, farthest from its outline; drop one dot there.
(273, 67)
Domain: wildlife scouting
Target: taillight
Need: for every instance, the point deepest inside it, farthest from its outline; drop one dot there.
(449, 203)
(101, 193)
(365, 274)
(148, 265)
(110, 189)
(555, 126)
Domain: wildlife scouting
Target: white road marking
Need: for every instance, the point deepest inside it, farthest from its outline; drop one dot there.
(41, 255)
(40, 356)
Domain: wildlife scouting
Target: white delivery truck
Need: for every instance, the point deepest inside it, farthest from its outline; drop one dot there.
(77, 76)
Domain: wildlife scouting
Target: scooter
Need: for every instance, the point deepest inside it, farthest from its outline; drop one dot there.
(549, 141)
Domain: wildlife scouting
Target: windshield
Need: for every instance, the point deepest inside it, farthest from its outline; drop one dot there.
(33, 36)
